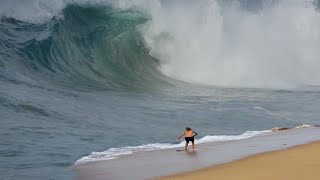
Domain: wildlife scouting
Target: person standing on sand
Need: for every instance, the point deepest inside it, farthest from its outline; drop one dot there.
(189, 136)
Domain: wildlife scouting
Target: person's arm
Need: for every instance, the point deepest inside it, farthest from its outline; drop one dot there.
(181, 136)
(195, 134)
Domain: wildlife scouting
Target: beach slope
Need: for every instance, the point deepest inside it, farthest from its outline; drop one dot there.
(301, 162)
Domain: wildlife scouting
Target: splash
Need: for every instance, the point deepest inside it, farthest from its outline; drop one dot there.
(206, 42)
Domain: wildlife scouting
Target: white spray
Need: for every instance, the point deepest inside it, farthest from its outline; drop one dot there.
(202, 42)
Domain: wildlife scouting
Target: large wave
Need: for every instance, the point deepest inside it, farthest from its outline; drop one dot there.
(84, 45)
(116, 44)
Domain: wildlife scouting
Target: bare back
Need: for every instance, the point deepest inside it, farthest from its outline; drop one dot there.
(189, 133)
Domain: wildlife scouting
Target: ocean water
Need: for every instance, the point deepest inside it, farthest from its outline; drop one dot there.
(93, 80)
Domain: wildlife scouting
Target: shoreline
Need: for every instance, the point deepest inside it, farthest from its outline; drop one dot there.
(295, 163)
(163, 163)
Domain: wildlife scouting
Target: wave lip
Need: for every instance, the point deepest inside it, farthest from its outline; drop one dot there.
(114, 153)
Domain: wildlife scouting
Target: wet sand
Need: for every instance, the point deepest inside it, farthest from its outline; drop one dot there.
(302, 162)
(155, 164)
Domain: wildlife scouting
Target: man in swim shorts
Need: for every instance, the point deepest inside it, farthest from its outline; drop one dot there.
(189, 136)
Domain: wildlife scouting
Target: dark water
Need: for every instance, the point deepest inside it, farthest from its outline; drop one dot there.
(84, 81)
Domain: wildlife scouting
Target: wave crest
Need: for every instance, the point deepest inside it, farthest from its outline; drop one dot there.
(94, 46)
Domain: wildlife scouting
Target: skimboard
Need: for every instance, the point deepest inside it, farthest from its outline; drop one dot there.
(185, 150)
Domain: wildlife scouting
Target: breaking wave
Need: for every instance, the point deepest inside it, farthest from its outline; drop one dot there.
(108, 44)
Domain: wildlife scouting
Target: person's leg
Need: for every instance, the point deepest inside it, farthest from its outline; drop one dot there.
(186, 146)
(193, 145)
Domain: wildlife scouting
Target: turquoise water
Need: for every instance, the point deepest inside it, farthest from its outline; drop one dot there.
(78, 78)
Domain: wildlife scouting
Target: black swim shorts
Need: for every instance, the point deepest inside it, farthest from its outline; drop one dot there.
(189, 139)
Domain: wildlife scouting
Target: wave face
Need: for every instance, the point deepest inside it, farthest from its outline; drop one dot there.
(82, 45)
(129, 44)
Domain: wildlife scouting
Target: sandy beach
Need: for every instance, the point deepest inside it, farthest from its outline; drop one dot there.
(301, 162)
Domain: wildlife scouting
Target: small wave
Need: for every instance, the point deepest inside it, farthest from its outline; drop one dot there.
(297, 127)
(304, 126)
(114, 153)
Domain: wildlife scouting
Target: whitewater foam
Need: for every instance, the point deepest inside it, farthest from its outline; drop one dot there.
(208, 43)
(114, 153)
(39, 11)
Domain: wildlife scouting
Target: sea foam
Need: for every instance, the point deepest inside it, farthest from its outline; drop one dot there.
(114, 153)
